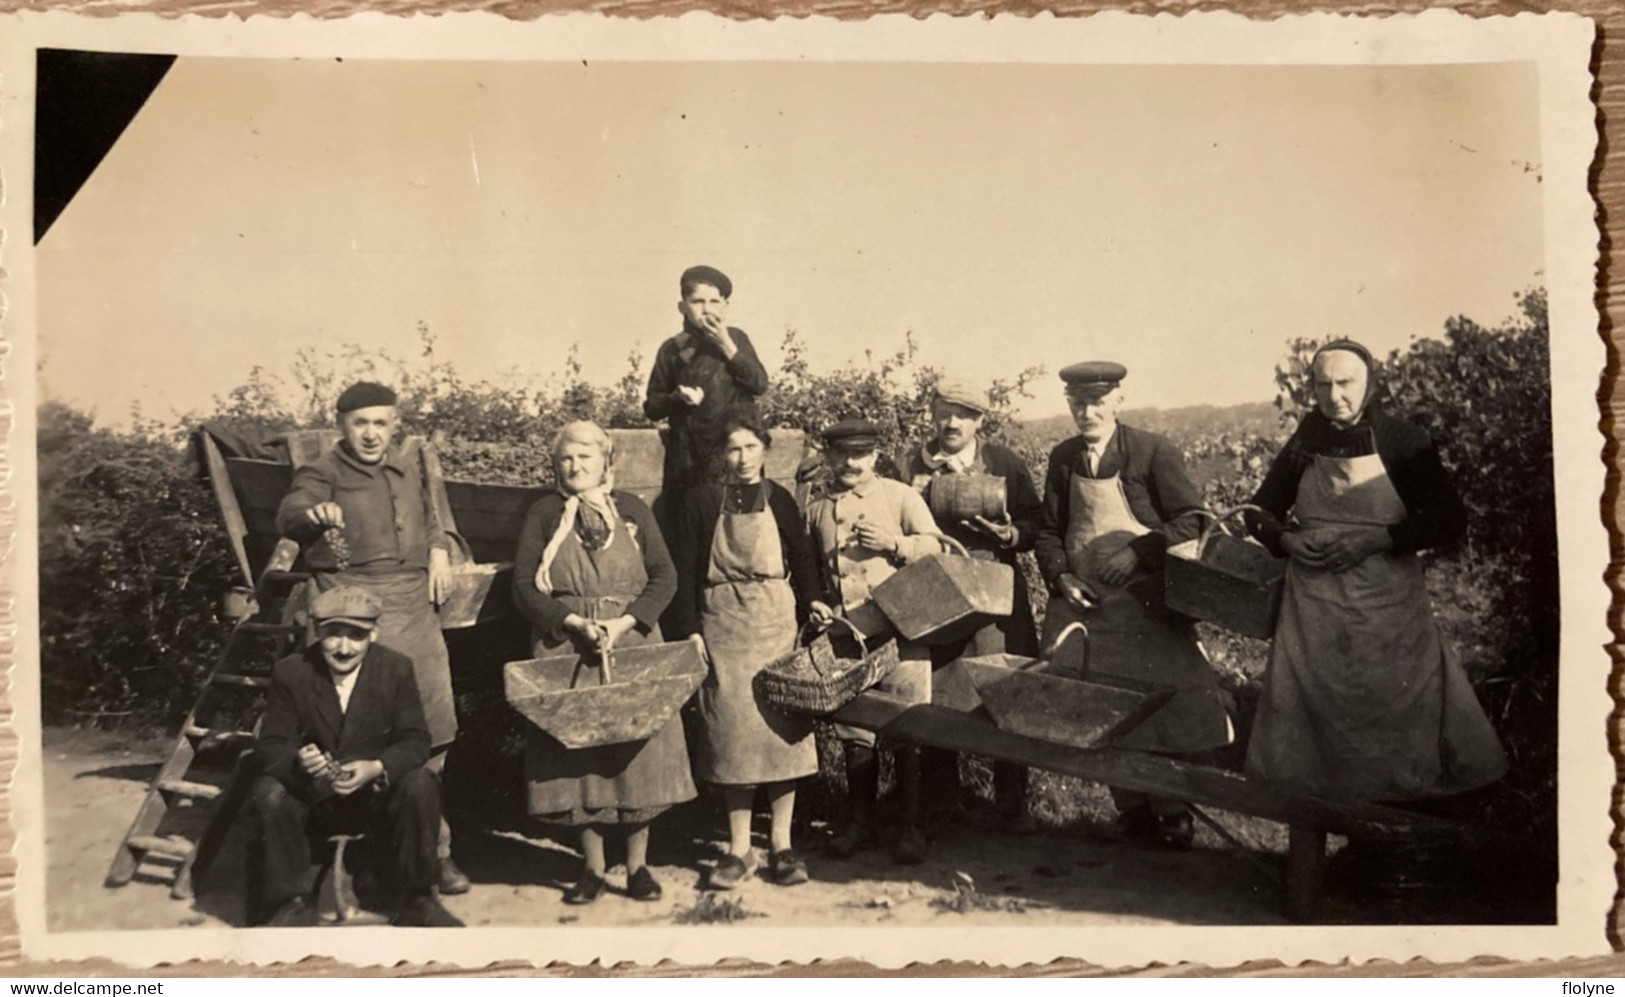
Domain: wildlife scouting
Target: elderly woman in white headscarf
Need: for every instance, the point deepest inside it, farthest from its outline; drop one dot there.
(592, 571)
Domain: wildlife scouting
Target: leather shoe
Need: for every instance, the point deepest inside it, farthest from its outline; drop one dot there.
(1139, 824)
(453, 882)
(422, 910)
(912, 848)
(295, 913)
(587, 889)
(786, 868)
(849, 841)
(729, 873)
(1020, 823)
(642, 885)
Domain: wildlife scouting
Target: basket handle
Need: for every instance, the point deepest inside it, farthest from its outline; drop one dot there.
(863, 648)
(606, 656)
(1215, 520)
(1066, 631)
(953, 547)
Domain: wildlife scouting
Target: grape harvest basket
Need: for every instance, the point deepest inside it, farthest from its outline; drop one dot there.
(943, 598)
(822, 676)
(634, 694)
(1225, 580)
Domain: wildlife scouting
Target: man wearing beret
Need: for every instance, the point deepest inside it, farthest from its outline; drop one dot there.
(865, 528)
(342, 748)
(1115, 498)
(364, 516)
(957, 410)
(699, 375)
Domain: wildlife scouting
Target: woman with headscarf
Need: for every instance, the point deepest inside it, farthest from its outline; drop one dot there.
(748, 575)
(1363, 698)
(592, 571)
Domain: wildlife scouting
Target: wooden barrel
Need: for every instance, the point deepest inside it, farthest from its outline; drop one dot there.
(954, 497)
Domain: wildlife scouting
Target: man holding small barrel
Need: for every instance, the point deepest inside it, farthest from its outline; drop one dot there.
(981, 494)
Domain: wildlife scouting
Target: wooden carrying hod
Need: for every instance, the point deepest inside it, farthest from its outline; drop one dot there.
(629, 695)
(1082, 712)
(1226, 581)
(944, 597)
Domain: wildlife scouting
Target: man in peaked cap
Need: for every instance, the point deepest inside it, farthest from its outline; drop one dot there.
(865, 528)
(699, 375)
(956, 448)
(363, 513)
(342, 747)
(1115, 498)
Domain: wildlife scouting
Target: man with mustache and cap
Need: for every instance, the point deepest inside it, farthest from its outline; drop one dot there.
(956, 448)
(865, 528)
(1363, 697)
(699, 376)
(364, 516)
(1115, 498)
(342, 748)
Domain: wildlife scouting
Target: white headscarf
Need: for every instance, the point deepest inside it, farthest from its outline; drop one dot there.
(596, 498)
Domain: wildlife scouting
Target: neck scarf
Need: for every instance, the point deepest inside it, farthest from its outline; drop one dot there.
(593, 511)
(936, 459)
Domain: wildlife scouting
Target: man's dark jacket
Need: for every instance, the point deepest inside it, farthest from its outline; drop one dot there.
(1158, 490)
(384, 721)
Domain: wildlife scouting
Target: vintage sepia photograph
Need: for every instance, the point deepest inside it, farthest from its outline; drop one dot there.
(895, 491)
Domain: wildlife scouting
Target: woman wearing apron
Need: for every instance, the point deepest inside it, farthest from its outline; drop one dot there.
(1363, 699)
(592, 572)
(748, 576)
(1114, 498)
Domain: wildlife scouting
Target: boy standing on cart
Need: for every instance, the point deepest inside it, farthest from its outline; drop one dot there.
(956, 447)
(865, 528)
(1115, 498)
(363, 514)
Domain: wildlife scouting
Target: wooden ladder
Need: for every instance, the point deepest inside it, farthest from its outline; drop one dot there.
(192, 801)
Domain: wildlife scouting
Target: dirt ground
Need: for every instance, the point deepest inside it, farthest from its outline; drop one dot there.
(1076, 874)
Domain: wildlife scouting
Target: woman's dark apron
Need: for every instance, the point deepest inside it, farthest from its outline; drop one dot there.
(748, 618)
(1128, 637)
(1363, 698)
(613, 783)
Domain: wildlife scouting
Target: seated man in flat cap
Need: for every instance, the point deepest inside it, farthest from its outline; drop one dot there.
(363, 514)
(699, 375)
(957, 410)
(1114, 500)
(342, 748)
(865, 527)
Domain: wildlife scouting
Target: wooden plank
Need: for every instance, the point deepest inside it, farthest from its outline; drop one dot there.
(1136, 770)
(259, 486)
(1306, 875)
(434, 481)
(231, 514)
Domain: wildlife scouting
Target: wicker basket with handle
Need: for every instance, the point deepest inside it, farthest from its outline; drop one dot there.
(814, 678)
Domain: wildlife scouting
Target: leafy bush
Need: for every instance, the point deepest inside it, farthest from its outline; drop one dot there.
(133, 562)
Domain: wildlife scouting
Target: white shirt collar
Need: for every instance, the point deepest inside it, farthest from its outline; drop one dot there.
(344, 685)
(965, 460)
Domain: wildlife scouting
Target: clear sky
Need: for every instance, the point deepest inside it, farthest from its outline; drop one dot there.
(1185, 221)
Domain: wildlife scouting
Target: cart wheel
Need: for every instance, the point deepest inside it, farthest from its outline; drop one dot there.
(1306, 871)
